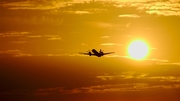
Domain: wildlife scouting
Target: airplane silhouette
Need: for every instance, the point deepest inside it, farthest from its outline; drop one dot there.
(96, 53)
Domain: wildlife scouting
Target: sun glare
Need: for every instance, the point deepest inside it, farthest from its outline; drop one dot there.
(138, 49)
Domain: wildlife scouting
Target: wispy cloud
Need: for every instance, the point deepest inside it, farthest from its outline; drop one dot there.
(13, 53)
(18, 53)
(129, 16)
(34, 36)
(10, 51)
(82, 12)
(124, 87)
(166, 8)
(110, 44)
(53, 37)
(109, 88)
(105, 77)
(49, 37)
(164, 12)
(139, 76)
(18, 42)
(27, 35)
(43, 5)
(14, 34)
(60, 90)
(84, 44)
(162, 8)
(104, 37)
(123, 75)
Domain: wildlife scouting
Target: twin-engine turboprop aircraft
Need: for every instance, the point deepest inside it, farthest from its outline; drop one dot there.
(96, 53)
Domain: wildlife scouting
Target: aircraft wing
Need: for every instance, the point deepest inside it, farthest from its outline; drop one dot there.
(108, 53)
(85, 53)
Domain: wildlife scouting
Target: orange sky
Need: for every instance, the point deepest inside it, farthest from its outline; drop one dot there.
(40, 41)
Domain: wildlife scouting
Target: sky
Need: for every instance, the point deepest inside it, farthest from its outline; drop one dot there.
(40, 41)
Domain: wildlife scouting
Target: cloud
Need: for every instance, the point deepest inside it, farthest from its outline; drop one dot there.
(82, 12)
(13, 53)
(165, 78)
(84, 44)
(20, 5)
(57, 55)
(49, 37)
(101, 24)
(160, 7)
(110, 88)
(174, 1)
(14, 34)
(170, 63)
(110, 44)
(54, 38)
(146, 77)
(56, 90)
(53, 17)
(123, 75)
(164, 13)
(100, 78)
(41, 20)
(96, 89)
(129, 16)
(37, 4)
(105, 77)
(104, 37)
(90, 89)
(34, 36)
(32, 4)
(18, 42)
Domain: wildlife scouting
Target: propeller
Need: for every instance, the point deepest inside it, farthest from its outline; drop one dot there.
(89, 52)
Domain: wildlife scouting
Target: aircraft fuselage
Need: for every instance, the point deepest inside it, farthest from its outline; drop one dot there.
(96, 53)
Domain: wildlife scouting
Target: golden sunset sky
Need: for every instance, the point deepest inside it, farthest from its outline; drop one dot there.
(40, 41)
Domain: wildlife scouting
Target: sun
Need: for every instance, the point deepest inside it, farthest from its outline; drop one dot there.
(138, 50)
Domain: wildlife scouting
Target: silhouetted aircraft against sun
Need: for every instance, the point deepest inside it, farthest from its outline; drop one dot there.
(96, 53)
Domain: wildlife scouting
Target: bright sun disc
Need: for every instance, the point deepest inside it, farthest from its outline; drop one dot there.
(138, 50)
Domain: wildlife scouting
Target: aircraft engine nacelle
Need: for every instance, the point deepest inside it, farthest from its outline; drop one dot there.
(89, 53)
(101, 52)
